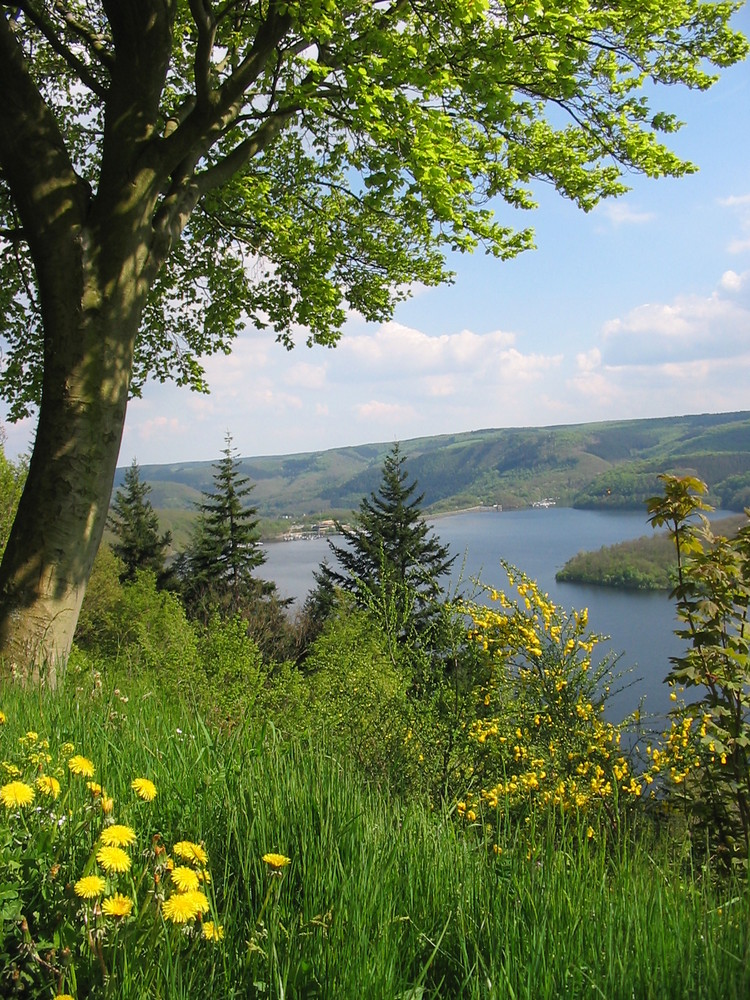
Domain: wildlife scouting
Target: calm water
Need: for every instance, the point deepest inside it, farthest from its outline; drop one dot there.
(539, 542)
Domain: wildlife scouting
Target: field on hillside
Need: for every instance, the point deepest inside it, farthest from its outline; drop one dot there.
(381, 896)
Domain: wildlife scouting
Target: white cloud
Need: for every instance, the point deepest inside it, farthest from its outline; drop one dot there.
(620, 213)
(687, 329)
(378, 411)
(306, 376)
(741, 205)
(403, 351)
(733, 282)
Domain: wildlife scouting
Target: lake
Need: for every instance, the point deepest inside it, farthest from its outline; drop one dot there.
(539, 541)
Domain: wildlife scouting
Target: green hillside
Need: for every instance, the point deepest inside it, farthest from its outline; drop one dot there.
(612, 464)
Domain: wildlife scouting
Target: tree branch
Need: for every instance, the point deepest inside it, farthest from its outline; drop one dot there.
(32, 150)
(50, 33)
(206, 23)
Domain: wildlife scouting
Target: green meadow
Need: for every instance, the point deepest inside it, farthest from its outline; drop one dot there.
(384, 896)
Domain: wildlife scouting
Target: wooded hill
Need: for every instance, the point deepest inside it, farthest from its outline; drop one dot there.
(613, 464)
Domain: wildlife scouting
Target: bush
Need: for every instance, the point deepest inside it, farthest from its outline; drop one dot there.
(538, 738)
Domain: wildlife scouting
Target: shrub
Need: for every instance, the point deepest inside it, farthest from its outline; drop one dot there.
(539, 737)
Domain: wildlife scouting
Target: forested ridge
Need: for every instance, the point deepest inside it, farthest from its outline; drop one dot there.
(613, 464)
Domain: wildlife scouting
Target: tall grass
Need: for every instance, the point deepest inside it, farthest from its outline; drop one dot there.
(389, 898)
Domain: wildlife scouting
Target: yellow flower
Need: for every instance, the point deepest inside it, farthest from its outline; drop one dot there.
(94, 787)
(144, 789)
(118, 835)
(117, 905)
(183, 906)
(81, 765)
(90, 886)
(212, 931)
(185, 878)
(16, 794)
(108, 804)
(113, 859)
(2, 719)
(276, 861)
(199, 900)
(67, 748)
(590, 833)
(64, 996)
(189, 851)
(48, 785)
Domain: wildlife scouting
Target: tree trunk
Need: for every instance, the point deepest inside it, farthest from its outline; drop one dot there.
(63, 510)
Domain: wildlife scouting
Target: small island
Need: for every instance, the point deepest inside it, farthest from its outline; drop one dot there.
(645, 563)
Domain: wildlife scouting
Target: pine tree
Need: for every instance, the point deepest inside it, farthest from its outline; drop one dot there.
(135, 525)
(390, 560)
(225, 547)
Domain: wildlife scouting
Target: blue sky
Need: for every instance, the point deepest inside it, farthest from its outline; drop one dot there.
(640, 308)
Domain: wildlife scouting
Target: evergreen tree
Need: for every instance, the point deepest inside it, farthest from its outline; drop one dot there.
(224, 551)
(135, 525)
(391, 561)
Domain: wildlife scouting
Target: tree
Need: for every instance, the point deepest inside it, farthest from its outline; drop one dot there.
(171, 170)
(225, 549)
(135, 524)
(391, 560)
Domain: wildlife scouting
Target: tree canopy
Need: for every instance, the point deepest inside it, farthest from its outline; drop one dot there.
(295, 160)
(170, 171)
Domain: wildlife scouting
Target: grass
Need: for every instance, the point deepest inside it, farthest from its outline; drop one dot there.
(386, 898)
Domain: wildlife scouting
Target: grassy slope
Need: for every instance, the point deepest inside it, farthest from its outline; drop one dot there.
(386, 898)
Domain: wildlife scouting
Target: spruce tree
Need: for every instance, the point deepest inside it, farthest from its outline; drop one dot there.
(391, 560)
(135, 524)
(225, 547)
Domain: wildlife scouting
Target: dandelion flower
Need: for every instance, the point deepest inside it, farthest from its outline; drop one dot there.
(276, 861)
(16, 794)
(117, 905)
(108, 804)
(180, 908)
(118, 835)
(144, 789)
(94, 787)
(212, 931)
(185, 878)
(48, 785)
(90, 886)
(64, 996)
(199, 900)
(81, 765)
(3, 720)
(113, 859)
(189, 851)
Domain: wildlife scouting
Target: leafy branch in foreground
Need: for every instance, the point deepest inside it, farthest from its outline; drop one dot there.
(712, 595)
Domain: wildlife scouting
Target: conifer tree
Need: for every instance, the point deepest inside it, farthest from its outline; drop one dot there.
(225, 550)
(390, 560)
(135, 525)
